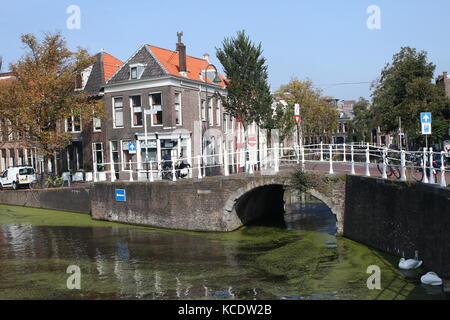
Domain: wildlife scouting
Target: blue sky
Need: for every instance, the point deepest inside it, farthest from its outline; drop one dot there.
(325, 40)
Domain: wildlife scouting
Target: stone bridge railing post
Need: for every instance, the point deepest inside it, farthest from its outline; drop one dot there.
(353, 159)
(321, 151)
(199, 159)
(345, 153)
(431, 167)
(403, 166)
(331, 160)
(384, 174)
(277, 159)
(424, 166)
(151, 172)
(443, 182)
(226, 170)
(368, 160)
(130, 171)
(113, 173)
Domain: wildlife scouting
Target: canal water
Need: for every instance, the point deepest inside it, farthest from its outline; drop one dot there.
(297, 257)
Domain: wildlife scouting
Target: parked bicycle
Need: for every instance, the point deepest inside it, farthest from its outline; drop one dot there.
(392, 165)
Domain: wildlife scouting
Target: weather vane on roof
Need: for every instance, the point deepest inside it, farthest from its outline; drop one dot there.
(179, 35)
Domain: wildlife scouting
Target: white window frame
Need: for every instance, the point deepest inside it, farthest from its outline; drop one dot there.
(203, 109)
(218, 112)
(180, 105)
(140, 68)
(114, 113)
(150, 103)
(73, 125)
(132, 112)
(211, 112)
(93, 124)
(94, 154)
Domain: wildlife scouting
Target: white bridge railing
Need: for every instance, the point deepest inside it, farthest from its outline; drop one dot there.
(424, 166)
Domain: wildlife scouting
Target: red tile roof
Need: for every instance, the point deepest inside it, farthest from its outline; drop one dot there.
(110, 65)
(195, 66)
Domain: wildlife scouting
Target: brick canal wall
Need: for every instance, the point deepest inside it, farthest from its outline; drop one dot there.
(196, 205)
(64, 199)
(399, 218)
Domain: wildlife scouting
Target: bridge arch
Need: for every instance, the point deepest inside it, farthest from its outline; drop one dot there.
(269, 193)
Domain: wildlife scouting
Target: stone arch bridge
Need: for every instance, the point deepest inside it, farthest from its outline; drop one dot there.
(210, 204)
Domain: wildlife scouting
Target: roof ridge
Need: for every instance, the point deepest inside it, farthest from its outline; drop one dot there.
(176, 52)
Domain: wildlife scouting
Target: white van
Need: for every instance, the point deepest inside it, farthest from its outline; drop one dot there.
(17, 177)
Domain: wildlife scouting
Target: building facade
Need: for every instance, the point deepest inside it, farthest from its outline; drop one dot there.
(159, 103)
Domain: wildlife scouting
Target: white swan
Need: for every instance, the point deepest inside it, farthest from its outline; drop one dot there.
(431, 278)
(410, 263)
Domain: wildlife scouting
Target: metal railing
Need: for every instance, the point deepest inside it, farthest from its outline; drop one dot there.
(424, 166)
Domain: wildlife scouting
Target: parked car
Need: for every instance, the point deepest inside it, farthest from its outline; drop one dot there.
(17, 177)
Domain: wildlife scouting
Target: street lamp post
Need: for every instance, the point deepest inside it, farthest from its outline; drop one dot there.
(216, 80)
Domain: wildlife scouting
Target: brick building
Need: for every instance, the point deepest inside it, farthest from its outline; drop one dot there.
(444, 81)
(171, 86)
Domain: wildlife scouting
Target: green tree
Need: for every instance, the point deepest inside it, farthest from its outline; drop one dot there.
(42, 94)
(405, 89)
(249, 99)
(318, 116)
(361, 125)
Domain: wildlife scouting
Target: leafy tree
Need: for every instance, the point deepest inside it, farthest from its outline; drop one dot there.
(405, 89)
(361, 125)
(249, 99)
(318, 116)
(43, 94)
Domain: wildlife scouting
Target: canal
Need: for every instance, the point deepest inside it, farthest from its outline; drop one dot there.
(297, 257)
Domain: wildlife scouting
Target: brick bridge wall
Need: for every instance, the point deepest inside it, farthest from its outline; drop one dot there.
(210, 204)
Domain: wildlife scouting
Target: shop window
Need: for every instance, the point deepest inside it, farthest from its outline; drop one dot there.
(178, 113)
(136, 109)
(156, 104)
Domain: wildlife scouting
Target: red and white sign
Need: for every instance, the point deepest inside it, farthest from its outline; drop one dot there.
(297, 119)
(252, 142)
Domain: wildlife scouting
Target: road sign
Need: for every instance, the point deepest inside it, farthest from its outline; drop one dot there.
(252, 142)
(121, 195)
(425, 117)
(426, 128)
(132, 147)
(297, 119)
(297, 109)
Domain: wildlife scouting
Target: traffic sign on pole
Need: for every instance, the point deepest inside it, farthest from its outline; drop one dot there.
(425, 117)
(425, 120)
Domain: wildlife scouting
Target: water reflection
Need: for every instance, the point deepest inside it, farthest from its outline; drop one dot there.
(305, 261)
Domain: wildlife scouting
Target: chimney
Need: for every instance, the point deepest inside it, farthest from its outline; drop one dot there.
(181, 49)
(445, 74)
(206, 57)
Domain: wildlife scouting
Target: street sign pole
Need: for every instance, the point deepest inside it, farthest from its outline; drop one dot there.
(426, 120)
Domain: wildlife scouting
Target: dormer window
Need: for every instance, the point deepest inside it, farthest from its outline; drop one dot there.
(136, 71)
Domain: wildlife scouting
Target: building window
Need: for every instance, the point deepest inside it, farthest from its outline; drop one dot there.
(136, 109)
(218, 112)
(118, 112)
(97, 124)
(225, 124)
(134, 72)
(210, 112)
(97, 149)
(115, 155)
(126, 155)
(156, 104)
(178, 113)
(73, 124)
(203, 113)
